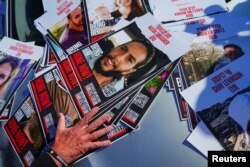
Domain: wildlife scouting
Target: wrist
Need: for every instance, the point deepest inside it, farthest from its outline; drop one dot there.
(61, 151)
(57, 158)
(57, 163)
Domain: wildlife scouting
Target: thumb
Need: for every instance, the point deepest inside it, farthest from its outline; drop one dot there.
(61, 122)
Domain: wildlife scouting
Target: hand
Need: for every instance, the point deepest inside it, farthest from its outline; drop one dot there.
(76, 141)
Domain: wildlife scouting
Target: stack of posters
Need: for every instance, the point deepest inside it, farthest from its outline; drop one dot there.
(216, 132)
(187, 18)
(120, 71)
(117, 55)
(211, 36)
(222, 102)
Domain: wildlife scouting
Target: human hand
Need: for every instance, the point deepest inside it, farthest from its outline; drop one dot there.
(71, 143)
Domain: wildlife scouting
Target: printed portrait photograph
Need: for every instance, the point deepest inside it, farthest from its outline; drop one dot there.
(29, 123)
(104, 14)
(13, 70)
(62, 102)
(71, 32)
(123, 58)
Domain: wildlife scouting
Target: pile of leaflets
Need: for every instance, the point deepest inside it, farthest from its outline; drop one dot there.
(117, 55)
(212, 80)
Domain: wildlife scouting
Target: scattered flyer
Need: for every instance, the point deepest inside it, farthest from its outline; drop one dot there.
(212, 40)
(176, 10)
(206, 58)
(193, 119)
(66, 71)
(120, 60)
(117, 55)
(65, 24)
(103, 15)
(16, 60)
(25, 133)
(210, 28)
(222, 102)
(50, 99)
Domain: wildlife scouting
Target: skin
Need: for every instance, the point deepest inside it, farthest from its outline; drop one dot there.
(71, 143)
(124, 7)
(103, 13)
(121, 59)
(124, 3)
(75, 20)
(124, 58)
(5, 71)
(232, 53)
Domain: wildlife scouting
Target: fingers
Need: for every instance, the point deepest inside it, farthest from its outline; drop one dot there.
(92, 113)
(93, 126)
(99, 144)
(97, 134)
(61, 122)
(83, 122)
(89, 144)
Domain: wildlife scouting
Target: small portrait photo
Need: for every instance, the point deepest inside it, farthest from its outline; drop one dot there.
(29, 123)
(12, 72)
(104, 14)
(62, 103)
(71, 31)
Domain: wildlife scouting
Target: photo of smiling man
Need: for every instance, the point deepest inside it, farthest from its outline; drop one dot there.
(120, 56)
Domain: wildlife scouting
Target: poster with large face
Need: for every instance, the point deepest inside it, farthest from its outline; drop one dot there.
(116, 62)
